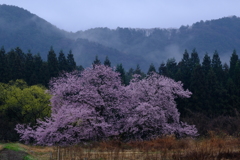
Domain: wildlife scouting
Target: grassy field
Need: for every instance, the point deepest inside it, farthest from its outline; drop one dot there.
(167, 148)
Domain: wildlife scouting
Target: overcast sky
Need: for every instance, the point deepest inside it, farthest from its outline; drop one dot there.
(74, 15)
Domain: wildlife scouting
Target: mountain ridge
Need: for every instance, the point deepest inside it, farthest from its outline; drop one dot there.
(129, 46)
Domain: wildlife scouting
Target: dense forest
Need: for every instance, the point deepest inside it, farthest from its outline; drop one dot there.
(16, 64)
(215, 87)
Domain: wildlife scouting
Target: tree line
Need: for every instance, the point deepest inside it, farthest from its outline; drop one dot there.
(16, 64)
(215, 86)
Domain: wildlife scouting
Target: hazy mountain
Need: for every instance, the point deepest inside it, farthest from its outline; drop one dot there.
(20, 28)
(158, 44)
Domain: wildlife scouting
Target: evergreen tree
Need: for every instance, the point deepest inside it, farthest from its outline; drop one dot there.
(236, 77)
(185, 58)
(3, 66)
(217, 67)
(206, 64)
(233, 99)
(171, 68)
(162, 70)
(62, 62)
(233, 62)
(184, 72)
(20, 54)
(151, 69)
(96, 61)
(199, 88)
(15, 60)
(107, 62)
(121, 70)
(52, 63)
(194, 60)
(29, 67)
(129, 75)
(37, 77)
(215, 95)
(71, 62)
(46, 76)
(80, 68)
(225, 73)
(139, 71)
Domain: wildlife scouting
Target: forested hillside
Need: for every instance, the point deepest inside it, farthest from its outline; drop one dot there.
(156, 45)
(129, 46)
(20, 28)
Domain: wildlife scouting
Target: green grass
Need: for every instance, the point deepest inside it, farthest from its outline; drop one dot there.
(13, 146)
(17, 147)
(28, 157)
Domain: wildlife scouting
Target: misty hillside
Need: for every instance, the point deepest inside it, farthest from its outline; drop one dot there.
(222, 35)
(20, 28)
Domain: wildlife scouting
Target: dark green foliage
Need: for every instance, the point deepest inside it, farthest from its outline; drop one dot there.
(38, 75)
(107, 62)
(171, 67)
(15, 60)
(217, 67)
(236, 77)
(129, 75)
(216, 95)
(198, 87)
(71, 62)
(139, 71)
(162, 70)
(62, 62)
(232, 95)
(233, 62)
(29, 69)
(79, 68)
(96, 61)
(151, 69)
(3, 66)
(53, 66)
(194, 60)
(121, 70)
(184, 70)
(15, 64)
(206, 64)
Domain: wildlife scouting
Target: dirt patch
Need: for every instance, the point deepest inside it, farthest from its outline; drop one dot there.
(6, 154)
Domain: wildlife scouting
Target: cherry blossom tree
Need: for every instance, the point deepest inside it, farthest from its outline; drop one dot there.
(94, 105)
(153, 110)
(84, 106)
